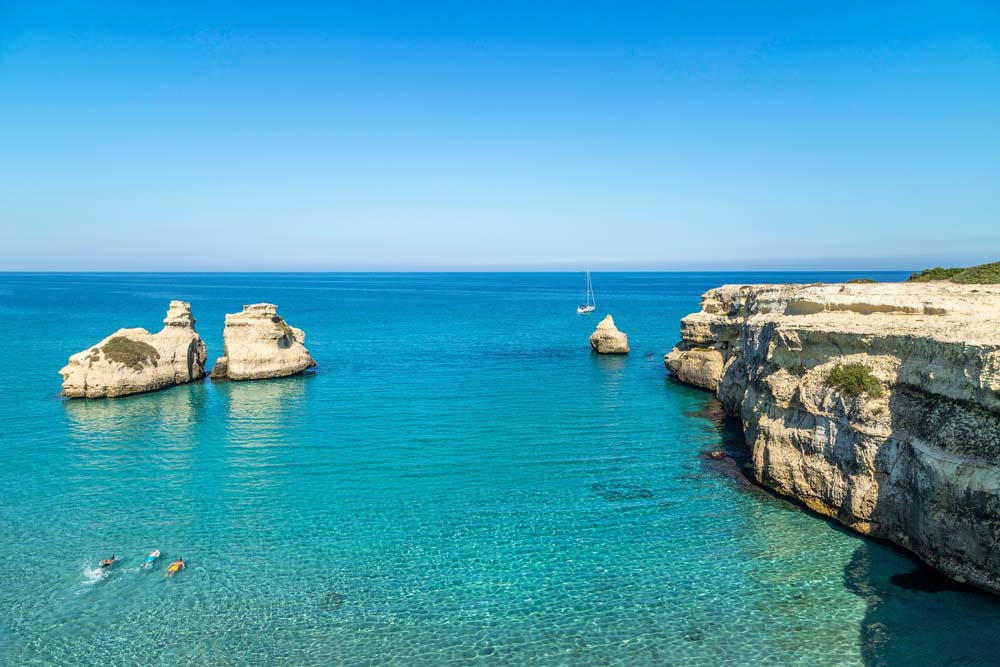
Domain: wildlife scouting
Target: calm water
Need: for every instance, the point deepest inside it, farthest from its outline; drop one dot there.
(459, 482)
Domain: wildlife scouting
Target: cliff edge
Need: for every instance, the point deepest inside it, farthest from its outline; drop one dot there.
(875, 404)
(132, 361)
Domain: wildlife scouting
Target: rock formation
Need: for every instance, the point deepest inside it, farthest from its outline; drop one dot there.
(132, 361)
(607, 339)
(259, 344)
(875, 404)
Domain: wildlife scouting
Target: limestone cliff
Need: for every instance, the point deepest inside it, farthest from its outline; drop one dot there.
(132, 361)
(875, 404)
(607, 339)
(259, 344)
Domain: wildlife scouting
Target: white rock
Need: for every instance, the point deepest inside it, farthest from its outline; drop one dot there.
(607, 339)
(259, 344)
(132, 361)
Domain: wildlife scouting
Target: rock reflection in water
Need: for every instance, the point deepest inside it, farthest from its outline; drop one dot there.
(260, 426)
(168, 417)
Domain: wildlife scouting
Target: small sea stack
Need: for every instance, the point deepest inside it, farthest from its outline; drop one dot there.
(133, 361)
(607, 339)
(259, 344)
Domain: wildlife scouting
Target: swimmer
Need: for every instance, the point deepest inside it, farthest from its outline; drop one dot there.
(108, 562)
(175, 567)
(151, 558)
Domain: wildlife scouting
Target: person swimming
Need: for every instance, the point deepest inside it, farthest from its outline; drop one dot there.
(108, 562)
(151, 558)
(175, 567)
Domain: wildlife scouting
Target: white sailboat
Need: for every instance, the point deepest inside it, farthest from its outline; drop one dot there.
(591, 304)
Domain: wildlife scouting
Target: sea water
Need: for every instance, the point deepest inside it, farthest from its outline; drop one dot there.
(460, 481)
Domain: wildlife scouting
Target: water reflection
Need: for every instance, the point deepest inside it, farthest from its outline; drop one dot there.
(612, 368)
(146, 444)
(261, 423)
(169, 416)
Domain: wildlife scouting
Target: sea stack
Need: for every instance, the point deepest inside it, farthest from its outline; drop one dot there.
(133, 361)
(876, 404)
(607, 339)
(259, 344)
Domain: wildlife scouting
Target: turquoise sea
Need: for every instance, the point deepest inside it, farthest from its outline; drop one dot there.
(459, 482)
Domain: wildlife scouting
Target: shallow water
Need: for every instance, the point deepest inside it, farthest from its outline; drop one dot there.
(460, 481)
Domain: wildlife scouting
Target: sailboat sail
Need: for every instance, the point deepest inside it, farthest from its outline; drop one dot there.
(591, 303)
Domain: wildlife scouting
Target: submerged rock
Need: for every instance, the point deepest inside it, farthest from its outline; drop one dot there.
(876, 404)
(607, 339)
(259, 344)
(133, 361)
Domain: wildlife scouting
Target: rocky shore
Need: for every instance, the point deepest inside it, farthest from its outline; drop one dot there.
(132, 361)
(875, 404)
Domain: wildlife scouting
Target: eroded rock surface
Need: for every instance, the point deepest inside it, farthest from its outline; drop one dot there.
(916, 461)
(259, 344)
(607, 339)
(132, 361)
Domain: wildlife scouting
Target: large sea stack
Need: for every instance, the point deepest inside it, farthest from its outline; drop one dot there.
(132, 361)
(259, 345)
(875, 404)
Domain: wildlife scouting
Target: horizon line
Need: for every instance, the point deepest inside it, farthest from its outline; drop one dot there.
(432, 271)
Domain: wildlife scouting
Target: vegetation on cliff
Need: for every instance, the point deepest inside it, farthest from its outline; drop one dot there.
(937, 273)
(984, 274)
(132, 353)
(854, 380)
(284, 328)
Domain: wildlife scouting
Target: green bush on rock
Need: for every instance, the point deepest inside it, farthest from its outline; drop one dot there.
(132, 353)
(984, 274)
(937, 273)
(854, 380)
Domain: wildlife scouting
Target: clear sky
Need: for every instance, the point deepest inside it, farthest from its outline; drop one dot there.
(208, 136)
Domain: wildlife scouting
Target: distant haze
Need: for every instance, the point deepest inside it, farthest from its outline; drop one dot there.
(513, 135)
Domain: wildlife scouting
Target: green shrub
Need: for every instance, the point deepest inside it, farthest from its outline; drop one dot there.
(284, 328)
(132, 353)
(854, 380)
(937, 273)
(862, 280)
(984, 274)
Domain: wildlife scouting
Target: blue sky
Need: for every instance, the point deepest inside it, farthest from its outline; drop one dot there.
(379, 135)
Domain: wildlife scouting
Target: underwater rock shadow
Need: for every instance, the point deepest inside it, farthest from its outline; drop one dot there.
(918, 617)
(618, 492)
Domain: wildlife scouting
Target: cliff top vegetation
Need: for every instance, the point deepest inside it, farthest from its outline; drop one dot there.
(984, 274)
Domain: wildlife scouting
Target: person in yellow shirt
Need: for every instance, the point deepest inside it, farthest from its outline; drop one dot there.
(175, 567)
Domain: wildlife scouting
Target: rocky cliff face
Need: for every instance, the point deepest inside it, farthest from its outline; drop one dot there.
(132, 361)
(259, 344)
(607, 339)
(907, 447)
